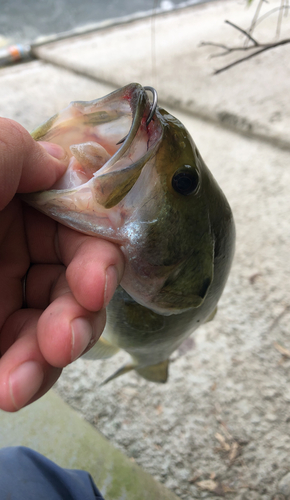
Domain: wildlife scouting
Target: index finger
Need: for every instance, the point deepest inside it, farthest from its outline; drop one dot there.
(94, 267)
(26, 165)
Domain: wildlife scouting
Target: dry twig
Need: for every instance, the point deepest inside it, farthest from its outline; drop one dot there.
(285, 352)
(251, 43)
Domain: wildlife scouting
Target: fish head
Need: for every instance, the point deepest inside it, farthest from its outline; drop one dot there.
(144, 186)
(176, 250)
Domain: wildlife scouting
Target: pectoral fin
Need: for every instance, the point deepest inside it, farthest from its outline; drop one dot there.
(119, 372)
(112, 187)
(212, 315)
(101, 350)
(155, 373)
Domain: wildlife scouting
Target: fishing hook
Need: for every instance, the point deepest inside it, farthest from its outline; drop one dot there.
(154, 104)
(152, 110)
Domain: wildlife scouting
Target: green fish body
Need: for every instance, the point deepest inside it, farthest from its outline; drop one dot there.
(144, 186)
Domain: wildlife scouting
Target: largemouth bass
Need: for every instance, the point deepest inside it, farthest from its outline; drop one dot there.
(137, 179)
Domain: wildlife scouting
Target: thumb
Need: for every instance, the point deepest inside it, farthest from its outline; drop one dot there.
(26, 165)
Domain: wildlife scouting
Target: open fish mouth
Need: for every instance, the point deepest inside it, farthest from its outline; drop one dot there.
(108, 142)
(136, 178)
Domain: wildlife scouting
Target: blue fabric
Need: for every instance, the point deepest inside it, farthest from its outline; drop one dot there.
(27, 475)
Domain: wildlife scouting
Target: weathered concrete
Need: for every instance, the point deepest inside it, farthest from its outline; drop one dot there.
(52, 428)
(225, 409)
(247, 98)
(32, 92)
(221, 424)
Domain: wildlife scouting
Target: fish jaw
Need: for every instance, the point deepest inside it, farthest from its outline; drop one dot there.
(92, 202)
(79, 210)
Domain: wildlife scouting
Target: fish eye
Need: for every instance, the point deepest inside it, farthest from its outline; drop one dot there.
(185, 180)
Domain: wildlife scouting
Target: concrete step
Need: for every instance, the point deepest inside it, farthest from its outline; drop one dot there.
(52, 428)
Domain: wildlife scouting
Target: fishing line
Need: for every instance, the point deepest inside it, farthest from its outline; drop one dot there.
(153, 44)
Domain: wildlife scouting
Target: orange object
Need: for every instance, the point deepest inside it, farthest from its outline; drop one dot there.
(15, 52)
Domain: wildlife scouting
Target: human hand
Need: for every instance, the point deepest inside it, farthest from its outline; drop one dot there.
(70, 277)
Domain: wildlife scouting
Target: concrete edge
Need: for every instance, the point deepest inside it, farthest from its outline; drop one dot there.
(111, 23)
(52, 428)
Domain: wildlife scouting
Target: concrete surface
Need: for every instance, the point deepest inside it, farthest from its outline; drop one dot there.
(252, 98)
(50, 18)
(50, 427)
(225, 411)
(32, 92)
(220, 426)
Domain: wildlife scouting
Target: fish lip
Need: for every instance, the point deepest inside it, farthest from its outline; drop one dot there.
(139, 103)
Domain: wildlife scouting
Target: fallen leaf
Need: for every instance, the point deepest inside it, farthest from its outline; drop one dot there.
(159, 409)
(225, 431)
(215, 487)
(282, 350)
(231, 447)
(234, 451)
(207, 484)
(195, 477)
(222, 441)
